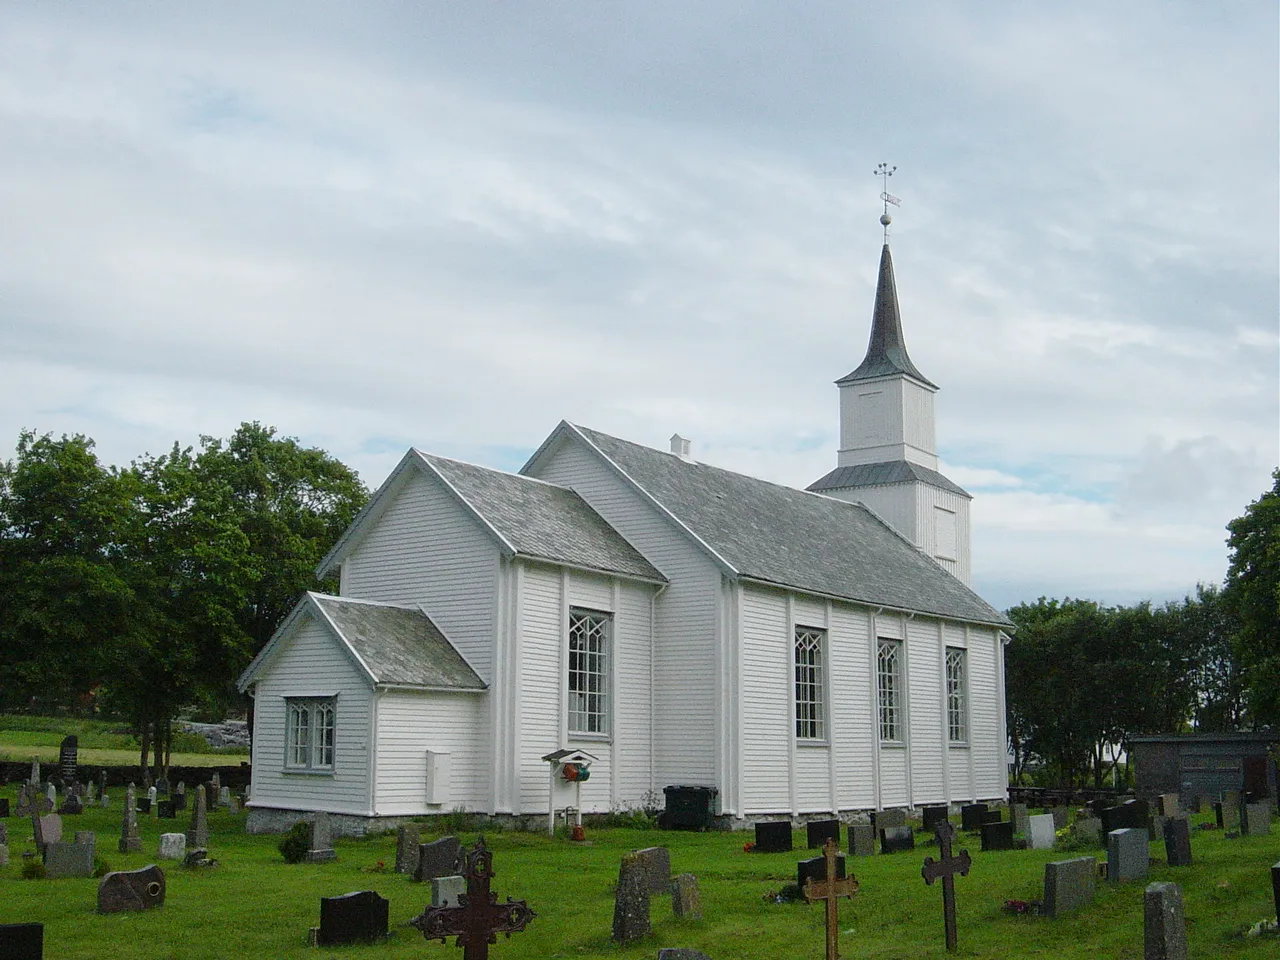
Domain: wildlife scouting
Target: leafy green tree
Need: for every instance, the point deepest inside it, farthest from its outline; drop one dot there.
(1252, 591)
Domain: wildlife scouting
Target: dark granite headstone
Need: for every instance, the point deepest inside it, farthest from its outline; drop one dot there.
(125, 890)
(68, 756)
(971, 815)
(862, 839)
(1069, 885)
(1132, 814)
(352, 918)
(1217, 813)
(407, 843)
(933, 816)
(1127, 857)
(179, 801)
(1177, 842)
(162, 786)
(631, 901)
(819, 832)
(22, 941)
(144, 804)
(897, 839)
(657, 861)
(4, 806)
(773, 836)
(165, 810)
(1164, 925)
(992, 816)
(71, 805)
(70, 859)
(997, 835)
(890, 817)
(816, 869)
(1275, 888)
(439, 858)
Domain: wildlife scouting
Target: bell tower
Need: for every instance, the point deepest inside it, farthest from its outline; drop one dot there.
(888, 455)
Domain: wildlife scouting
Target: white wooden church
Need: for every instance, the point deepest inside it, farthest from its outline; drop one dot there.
(802, 652)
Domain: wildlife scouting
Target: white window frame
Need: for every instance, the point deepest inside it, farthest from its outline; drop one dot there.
(590, 634)
(957, 665)
(889, 655)
(311, 725)
(809, 655)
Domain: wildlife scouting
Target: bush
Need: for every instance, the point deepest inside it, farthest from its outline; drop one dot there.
(100, 867)
(32, 868)
(293, 846)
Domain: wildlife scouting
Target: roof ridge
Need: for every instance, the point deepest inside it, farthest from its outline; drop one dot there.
(480, 466)
(316, 594)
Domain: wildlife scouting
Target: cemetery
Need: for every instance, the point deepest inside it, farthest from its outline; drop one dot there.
(200, 886)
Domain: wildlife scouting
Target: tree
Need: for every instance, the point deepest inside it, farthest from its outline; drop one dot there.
(1252, 591)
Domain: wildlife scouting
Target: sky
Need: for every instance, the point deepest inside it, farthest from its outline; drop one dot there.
(447, 225)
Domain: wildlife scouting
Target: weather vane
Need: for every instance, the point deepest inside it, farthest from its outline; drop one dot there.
(884, 172)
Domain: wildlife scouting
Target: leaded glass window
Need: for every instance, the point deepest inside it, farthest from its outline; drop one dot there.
(889, 685)
(957, 707)
(809, 684)
(310, 730)
(589, 672)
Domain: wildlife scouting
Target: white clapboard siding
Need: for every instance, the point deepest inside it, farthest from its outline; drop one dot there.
(412, 722)
(990, 779)
(852, 707)
(632, 745)
(542, 635)
(813, 779)
(893, 776)
(767, 702)
(925, 696)
(687, 614)
(426, 548)
(312, 663)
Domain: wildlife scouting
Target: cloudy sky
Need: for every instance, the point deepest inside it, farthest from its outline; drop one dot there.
(450, 225)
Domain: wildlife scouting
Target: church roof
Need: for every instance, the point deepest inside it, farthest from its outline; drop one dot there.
(768, 532)
(880, 474)
(886, 349)
(542, 520)
(399, 645)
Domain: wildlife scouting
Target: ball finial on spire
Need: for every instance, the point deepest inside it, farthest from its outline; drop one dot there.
(884, 171)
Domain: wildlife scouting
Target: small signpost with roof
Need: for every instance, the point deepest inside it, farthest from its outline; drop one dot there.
(567, 766)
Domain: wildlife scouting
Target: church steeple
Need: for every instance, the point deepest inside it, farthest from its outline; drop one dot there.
(886, 349)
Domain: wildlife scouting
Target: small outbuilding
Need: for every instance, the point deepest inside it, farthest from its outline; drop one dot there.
(1205, 764)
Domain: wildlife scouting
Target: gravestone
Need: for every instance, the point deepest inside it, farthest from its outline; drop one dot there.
(216, 781)
(1164, 935)
(4, 806)
(24, 805)
(46, 830)
(68, 755)
(1069, 885)
(439, 858)
(1177, 842)
(179, 800)
(997, 835)
(816, 869)
(165, 810)
(992, 816)
(1088, 828)
(320, 843)
(34, 779)
(22, 941)
(897, 840)
(946, 867)
(862, 839)
(173, 846)
(657, 862)
(819, 832)
(130, 842)
(198, 831)
(144, 805)
(1156, 827)
(1127, 857)
(74, 859)
(407, 841)
(477, 921)
(445, 891)
(180, 792)
(352, 918)
(4, 833)
(971, 815)
(892, 817)
(1218, 816)
(1060, 816)
(1040, 834)
(198, 858)
(126, 890)
(773, 836)
(152, 796)
(4, 854)
(1257, 819)
(90, 792)
(162, 786)
(233, 805)
(685, 901)
(933, 815)
(71, 804)
(224, 797)
(1126, 816)
(681, 953)
(1021, 820)
(631, 901)
(1168, 805)
(1275, 889)
(51, 795)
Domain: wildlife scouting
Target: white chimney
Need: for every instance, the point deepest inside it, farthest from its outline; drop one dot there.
(680, 446)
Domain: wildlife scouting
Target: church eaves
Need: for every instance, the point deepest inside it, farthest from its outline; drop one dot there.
(886, 350)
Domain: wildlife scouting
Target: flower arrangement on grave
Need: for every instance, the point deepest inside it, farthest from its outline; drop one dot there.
(748, 846)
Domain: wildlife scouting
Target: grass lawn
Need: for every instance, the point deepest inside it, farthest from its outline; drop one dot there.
(101, 742)
(255, 905)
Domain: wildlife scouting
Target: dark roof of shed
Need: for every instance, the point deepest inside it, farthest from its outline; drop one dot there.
(400, 646)
(886, 347)
(879, 474)
(543, 520)
(792, 538)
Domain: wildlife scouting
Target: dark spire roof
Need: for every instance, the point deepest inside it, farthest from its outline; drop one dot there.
(886, 350)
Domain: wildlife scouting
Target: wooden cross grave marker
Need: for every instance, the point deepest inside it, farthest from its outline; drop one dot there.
(829, 890)
(946, 868)
(479, 918)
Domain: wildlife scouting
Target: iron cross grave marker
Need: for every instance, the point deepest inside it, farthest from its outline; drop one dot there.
(479, 917)
(829, 890)
(946, 868)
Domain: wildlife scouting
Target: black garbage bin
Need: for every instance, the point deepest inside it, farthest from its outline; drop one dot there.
(689, 807)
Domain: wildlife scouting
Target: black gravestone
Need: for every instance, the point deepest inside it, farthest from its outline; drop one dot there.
(773, 836)
(933, 816)
(816, 869)
(820, 831)
(1275, 888)
(162, 786)
(4, 806)
(991, 816)
(144, 805)
(166, 809)
(437, 859)
(971, 815)
(1132, 814)
(68, 755)
(1217, 813)
(897, 839)
(1177, 842)
(352, 918)
(997, 836)
(179, 801)
(22, 941)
